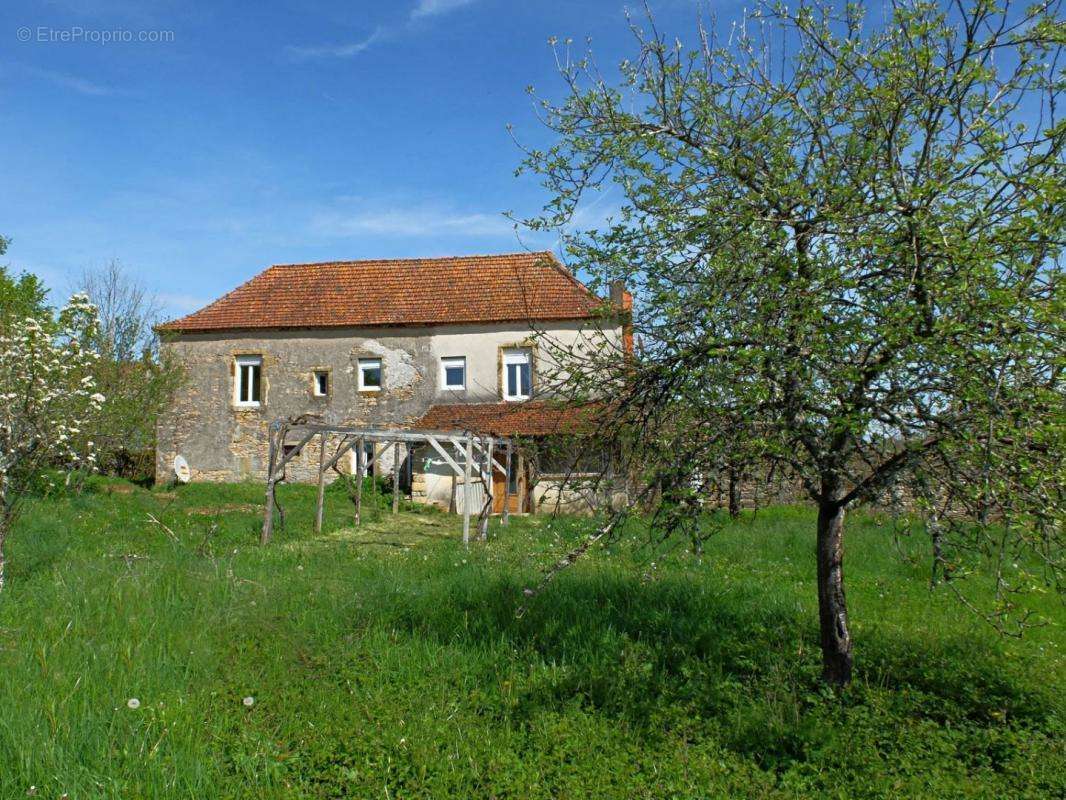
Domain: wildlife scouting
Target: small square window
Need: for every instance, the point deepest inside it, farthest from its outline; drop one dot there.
(453, 372)
(248, 383)
(321, 384)
(517, 374)
(370, 374)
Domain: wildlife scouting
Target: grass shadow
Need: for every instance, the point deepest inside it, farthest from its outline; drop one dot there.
(735, 659)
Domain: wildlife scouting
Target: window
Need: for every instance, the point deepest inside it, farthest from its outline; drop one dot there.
(248, 386)
(321, 384)
(517, 375)
(370, 374)
(453, 372)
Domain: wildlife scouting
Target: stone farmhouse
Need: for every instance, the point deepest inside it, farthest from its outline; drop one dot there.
(420, 344)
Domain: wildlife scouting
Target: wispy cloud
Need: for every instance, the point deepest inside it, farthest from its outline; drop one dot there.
(409, 222)
(423, 9)
(343, 50)
(431, 8)
(73, 82)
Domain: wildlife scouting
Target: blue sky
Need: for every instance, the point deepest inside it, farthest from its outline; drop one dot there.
(272, 132)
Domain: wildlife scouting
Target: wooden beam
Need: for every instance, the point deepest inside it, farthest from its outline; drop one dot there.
(486, 477)
(285, 459)
(466, 489)
(521, 483)
(506, 518)
(444, 454)
(321, 483)
(494, 462)
(345, 446)
(360, 473)
(396, 478)
(382, 435)
(268, 514)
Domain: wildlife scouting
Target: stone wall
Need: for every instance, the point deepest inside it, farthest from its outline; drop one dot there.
(224, 442)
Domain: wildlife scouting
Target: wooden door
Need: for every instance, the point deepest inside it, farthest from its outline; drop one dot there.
(499, 486)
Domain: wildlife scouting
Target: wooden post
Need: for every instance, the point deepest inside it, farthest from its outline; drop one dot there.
(487, 478)
(506, 518)
(530, 483)
(466, 487)
(268, 516)
(410, 450)
(321, 482)
(360, 469)
(396, 478)
(523, 485)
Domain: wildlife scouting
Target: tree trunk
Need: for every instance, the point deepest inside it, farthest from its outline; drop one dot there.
(3, 536)
(734, 496)
(832, 607)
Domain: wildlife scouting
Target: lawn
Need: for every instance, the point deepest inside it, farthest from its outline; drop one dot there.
(388, 662)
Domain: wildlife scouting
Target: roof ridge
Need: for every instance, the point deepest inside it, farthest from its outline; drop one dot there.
(408, 259)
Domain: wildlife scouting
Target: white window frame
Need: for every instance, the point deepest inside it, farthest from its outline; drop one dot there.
(240, 364)
(517, 357)
(368, 362)
(451, 362)
(315, 387)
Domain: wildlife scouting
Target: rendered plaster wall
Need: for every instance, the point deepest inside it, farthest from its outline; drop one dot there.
(572, 495)
(483, 345)
(224, 442)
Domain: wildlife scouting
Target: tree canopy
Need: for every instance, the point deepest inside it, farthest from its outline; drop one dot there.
(21, 295)
(844, 236)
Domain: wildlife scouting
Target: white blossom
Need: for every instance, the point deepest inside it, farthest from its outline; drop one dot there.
(45, 400)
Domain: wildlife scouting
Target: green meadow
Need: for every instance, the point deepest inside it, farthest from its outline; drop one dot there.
(389, 662)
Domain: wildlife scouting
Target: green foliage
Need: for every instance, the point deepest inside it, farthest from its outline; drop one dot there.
(137, 392)
(845, 236)
(21, 296)
(137, 377)
(389, 661)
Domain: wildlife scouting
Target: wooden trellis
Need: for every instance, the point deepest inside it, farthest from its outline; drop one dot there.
(472, 458)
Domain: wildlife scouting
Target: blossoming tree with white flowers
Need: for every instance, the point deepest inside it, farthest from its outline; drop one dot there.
(48, 398)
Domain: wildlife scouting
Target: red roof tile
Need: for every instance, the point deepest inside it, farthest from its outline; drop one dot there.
(531, 418)
(418, 291)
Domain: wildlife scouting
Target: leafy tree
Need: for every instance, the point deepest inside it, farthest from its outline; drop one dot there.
(20, 296)
(48, 399)
(136, 377)
(845, 243)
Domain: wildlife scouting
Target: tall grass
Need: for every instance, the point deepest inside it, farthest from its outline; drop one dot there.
(389, 662)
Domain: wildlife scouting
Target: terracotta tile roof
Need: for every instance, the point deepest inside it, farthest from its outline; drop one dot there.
(419, 291)
(531, 418)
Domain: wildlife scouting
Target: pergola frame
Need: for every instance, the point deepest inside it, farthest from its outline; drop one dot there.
(472, 457)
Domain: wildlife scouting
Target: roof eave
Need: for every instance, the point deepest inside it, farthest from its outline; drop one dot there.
(170, 329)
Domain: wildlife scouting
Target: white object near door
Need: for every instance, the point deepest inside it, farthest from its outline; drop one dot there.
(181, 469)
